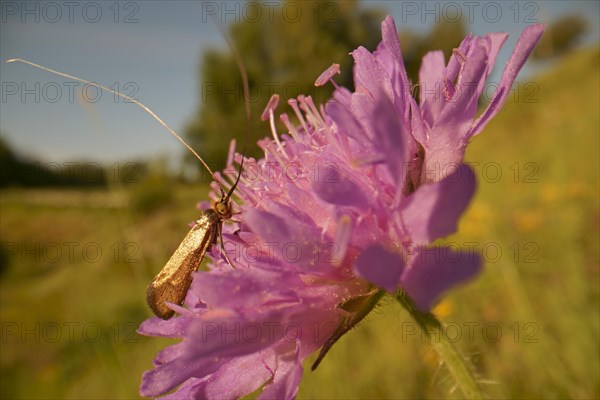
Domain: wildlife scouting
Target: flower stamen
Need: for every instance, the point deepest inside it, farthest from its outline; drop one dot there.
(268, 114)
(327, 76)
(291, 128)
(294, 104)
(312, 114)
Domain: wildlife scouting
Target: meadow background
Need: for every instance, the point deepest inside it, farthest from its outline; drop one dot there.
(529, 324)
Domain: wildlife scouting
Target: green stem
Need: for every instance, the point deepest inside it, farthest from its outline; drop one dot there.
(449, 354)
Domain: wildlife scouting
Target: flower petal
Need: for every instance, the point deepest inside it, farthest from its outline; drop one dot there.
(234, 336)
(495, 41)
(433, 271)
(174, 327)
(300, 198)
(345, 121)
(389, 37)
(167, 376)
(339, 189)
(391, 139)
(454, 64)
(188, 390)
(286, 379)
(267, 225)
(240, 288)
(169, 354)
(448, 137)
(236, 379)
(431, 76)
(417, 123)
(433, 210)
(295, 244)
(380, 266)
(529, 38)
(369, 75)
(463, 105)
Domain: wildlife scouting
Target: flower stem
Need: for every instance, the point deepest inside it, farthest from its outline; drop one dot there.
(449, 354)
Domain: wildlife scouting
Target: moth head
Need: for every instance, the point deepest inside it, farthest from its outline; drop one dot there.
(223, 208)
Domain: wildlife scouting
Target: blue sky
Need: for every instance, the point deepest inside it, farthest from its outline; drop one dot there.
(153, 48)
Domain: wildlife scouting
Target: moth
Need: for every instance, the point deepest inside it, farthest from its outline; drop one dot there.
(173, 281)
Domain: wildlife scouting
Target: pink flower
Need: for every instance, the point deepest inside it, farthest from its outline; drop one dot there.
(334, 215)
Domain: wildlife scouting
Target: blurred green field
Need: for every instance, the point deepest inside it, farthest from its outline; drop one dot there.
(529, 324)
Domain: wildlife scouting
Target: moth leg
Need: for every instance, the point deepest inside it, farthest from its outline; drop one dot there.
(235, 220)
(220, 233)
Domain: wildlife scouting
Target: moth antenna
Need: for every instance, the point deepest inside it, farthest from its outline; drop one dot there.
(128, 98)
(240, 63)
